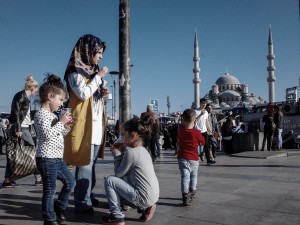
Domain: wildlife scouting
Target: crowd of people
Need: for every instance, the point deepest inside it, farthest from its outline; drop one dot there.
(78, 137)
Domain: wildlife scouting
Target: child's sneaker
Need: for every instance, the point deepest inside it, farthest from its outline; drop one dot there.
(192, 195)
(148, 213)
(112, 220)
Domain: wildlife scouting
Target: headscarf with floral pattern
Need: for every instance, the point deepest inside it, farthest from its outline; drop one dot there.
(80, 60)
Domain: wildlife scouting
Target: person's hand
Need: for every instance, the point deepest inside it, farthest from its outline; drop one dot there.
(102, 72)
(105, 91)
(113, 149)
(66, 118)
(19, 133)
(69, 124)
(220, 137)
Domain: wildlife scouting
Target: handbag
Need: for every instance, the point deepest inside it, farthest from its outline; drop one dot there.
(21, 159)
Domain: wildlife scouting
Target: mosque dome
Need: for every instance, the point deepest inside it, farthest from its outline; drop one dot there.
(227, 79)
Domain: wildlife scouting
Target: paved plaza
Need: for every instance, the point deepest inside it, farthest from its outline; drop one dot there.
(252, 188)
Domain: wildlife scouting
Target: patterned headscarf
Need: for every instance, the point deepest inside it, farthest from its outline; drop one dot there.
(80, 61)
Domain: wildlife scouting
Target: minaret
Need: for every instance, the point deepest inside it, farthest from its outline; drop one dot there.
(196, 71)
(271, 68)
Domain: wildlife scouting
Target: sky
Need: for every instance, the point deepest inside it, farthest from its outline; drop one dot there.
(37, 36)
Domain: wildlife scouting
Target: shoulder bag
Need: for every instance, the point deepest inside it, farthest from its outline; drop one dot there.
(21, 159)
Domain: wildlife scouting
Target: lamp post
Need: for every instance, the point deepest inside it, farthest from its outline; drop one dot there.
(114, 93)
(121, 84)
(112, 104)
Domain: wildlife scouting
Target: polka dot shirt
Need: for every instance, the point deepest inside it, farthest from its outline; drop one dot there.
(50, 132)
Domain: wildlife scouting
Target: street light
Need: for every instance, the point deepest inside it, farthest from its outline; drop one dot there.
(112, 105)
(121, 84)
(114, 93)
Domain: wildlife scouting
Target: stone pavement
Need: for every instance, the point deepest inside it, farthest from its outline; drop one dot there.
(253, 188)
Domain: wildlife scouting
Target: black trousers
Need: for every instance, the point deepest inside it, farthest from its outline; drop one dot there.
(149, 143)
(268, 136)
(206, 146)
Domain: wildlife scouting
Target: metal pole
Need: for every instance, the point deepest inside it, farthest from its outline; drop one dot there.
(114, 73)
(124, 62)
(114, 105)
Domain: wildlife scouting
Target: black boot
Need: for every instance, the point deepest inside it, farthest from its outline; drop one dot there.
(60, 213)
(185, 199)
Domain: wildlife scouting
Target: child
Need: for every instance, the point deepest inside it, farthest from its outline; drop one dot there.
(188, 159)
(50, 146)
(140, 189)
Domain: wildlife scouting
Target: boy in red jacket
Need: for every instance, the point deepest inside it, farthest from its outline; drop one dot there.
(188, 159)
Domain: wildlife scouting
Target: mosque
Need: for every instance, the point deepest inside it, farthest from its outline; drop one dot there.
(227, 90)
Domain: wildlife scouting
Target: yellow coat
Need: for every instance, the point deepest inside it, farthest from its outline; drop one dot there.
(78, 141)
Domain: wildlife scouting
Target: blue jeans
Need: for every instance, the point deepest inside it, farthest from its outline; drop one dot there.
(279, 139)
(52, 169)
(189, 172)
(85, 182)
(157, 144)
(116, 189)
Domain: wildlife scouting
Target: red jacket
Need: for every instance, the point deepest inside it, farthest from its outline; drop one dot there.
(188, 142)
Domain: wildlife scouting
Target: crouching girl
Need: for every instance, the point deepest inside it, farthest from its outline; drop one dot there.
(135, 182)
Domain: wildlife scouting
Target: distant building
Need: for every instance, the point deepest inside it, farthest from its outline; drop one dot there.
(228, 92)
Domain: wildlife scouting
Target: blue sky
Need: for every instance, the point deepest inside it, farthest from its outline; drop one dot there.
(37, 36)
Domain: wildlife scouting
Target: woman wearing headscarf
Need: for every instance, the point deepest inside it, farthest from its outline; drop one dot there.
(86, 141)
